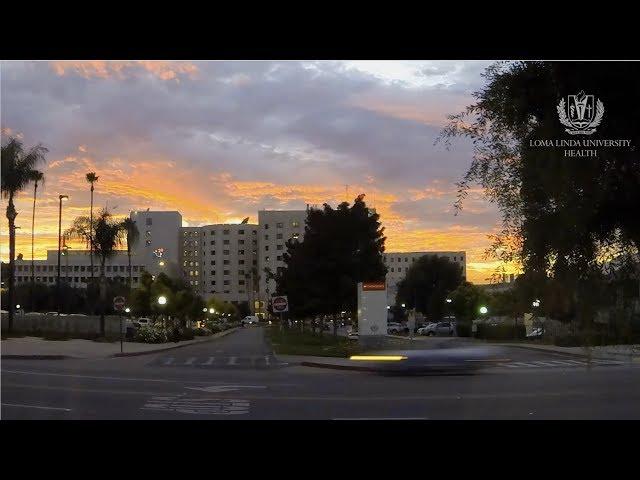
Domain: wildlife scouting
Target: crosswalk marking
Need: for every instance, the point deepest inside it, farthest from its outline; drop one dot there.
(266, 360)
(232, 361)
(559, 363)
(222, 361)
(190, 361)
(210, 361)
(169, 361)
(547, 364)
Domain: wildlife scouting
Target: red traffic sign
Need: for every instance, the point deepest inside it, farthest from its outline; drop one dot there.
(118, 303)
(280, 304)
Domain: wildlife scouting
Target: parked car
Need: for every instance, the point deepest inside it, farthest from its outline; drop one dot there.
(34, 313)
(440, 328)
(537, 332)
(143, 322)
(53, 313)
(394, 328)
(250, 320)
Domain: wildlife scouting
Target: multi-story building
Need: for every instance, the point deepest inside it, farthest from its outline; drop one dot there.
(158, 244)
(75, 268)
(221, 260)
(275, 227)
(398, 264)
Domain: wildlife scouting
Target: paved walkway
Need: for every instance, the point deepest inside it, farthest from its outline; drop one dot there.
(36, 347)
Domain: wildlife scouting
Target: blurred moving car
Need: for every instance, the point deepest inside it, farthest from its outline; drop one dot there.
(142, 322)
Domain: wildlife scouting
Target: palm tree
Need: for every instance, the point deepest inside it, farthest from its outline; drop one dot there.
(91, 178)
(132, 234)
(107, 236)
(18, 167)
(38, 176)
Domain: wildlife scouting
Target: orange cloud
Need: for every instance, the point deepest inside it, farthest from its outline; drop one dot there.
(163, 70)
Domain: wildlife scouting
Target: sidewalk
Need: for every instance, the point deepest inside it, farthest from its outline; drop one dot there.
(38, 348)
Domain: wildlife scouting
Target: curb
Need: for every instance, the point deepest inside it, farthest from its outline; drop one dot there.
(116, 355)
(147, 352)
(38, 357)
(337, 367)
(603, 356)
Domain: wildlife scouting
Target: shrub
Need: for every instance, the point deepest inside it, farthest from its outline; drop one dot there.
(501, 332)
(202, 332)
(151, 334)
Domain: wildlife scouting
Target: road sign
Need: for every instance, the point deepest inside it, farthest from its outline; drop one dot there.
(118, 303)
(280, 304)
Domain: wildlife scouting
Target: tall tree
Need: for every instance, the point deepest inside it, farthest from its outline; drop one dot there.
(18, 170)
(131, 236)
(38, 176)
(341, 247)
(91, 178)
(107, 237)
(427, 283)
(562, 216)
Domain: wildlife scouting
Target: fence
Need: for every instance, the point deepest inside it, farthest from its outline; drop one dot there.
(78, 325)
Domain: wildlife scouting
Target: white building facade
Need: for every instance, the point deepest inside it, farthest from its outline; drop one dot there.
(221, 260)
(158, 244)
(75, 268)
(398, 264)
(275, 228)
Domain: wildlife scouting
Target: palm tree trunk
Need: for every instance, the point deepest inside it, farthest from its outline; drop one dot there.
(103, 296)
(91, 234)
(11, 216)
(33, 223)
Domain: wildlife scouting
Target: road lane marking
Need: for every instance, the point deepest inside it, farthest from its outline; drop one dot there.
(232, 361)
(74, 389)
(94, 377)
(210, 361)
(190, 361)
(168, 361)
(383, 418)
(35, 406)
(224, 388)
(545, 364)
(197, 406)
(266, 360)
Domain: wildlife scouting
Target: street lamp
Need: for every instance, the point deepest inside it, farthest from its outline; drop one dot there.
(204, 309)
(60, 198)
(127, 310)
(212, 311)
(448, 300)
(162, 300)
(161, 263)
(536, 303)
(483, 310)
(403, 305)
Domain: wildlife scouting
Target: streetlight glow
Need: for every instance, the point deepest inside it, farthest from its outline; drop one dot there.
(212, 310)
(448, 300)
(18, 306)
(162, 300)
(127, 310)
(161, 263)
(403, 305)
(483, 310)
(204, 309)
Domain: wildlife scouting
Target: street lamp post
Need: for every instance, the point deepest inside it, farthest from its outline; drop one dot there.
(162, 301)
(60, 197)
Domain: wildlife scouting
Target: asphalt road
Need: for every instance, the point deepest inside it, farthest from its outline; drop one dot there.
(238, 377)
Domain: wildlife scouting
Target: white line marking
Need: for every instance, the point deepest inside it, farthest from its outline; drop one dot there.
(94, 377)
(546, 364)
(525, 364)
(169, 361)
(232, 361)
(224, 388)
(383, 418)
(266, 360)
(190, 361)
(35, 406)
(210, 361)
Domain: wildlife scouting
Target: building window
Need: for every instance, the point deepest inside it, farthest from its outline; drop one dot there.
(255, 262)
(279, 247)
(213, 272)
(225, 232)
(266, 237)
(213, 232)
(191, 273)
(240, 242)
(240, 272)
(295, 224)
(213, 282)
(406, 259)
(197, 264)
(196, 282)
(191, 264)
(108, 268)
(226, 272)
(399, 269)
(279, 258)
(279, 236)
(266, 259)
(122, 268)
(226, 282)
(279, 225)
(225, 262)
(392, 269)
(135, 268)
(213, 262)
(266, 248)
(240, 252)
(225, 252)
(295, 236)
(213, 242)
(241, 262)
(266, 226)
(213, 252)
(391, 259)
(225, 242)
(149, 221)
(240, 282)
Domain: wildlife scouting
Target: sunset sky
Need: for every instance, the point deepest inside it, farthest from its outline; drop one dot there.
(218, 141)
